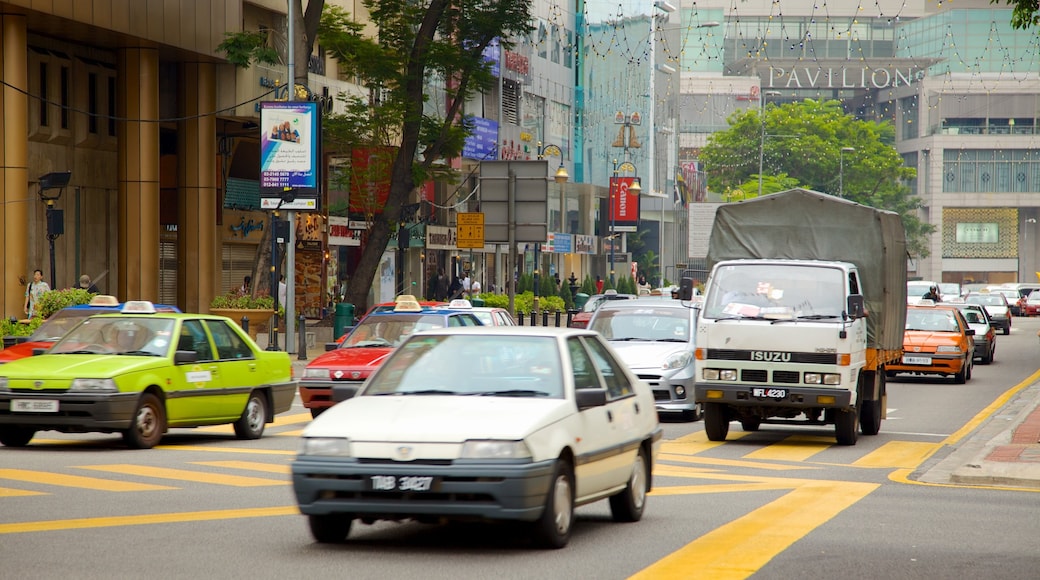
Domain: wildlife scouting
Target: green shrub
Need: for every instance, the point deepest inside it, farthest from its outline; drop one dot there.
(15, 328)
(494, 300)
(566, 296)
(243, 300)
(54, 300)
(523, 302)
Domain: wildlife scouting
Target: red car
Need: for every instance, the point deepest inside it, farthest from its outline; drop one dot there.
(351, 360)
(581, 318)
(1029, 305)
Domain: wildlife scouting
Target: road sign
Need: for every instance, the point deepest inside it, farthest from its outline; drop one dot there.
(470, 228)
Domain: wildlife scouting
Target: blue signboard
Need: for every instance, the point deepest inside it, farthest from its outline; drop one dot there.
(481, 143)
(562, 244)
(289, 147)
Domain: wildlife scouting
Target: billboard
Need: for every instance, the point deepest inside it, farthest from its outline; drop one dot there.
(624, 206)
(289, 153)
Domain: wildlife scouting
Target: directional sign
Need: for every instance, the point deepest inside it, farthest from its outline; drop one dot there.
(470, 230)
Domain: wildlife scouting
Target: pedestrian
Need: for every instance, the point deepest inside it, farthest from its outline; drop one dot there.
(86, 284)
(283, 290)
(644, 286)
(455, 290)
(246, 285)
(33, 291)
(441, 290)
(466, 283)
(932, 294)
(599, 284)
(474, 288)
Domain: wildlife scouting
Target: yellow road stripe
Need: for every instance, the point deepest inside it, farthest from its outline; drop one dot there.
(8, 492)
(731, 463)
(279, 421)
(216, 449)
(741, 547)
(906, 454)
(293, 433)
(793, 448)
(76, 481)
(248, 465)
(677, 471)
(715, 488)
(170, 518)
(185, 475)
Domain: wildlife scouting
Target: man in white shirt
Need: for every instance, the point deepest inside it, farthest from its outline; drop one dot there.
(474, 288)
(466, 283)
(281, 291)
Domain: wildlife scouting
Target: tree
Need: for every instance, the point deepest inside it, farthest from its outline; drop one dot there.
(1026, 13)
(803, 147)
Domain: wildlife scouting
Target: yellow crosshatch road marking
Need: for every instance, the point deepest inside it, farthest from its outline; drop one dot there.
(905, 454)
(248, 465)
(216, 449)
(170, 518)
(293, 433)
(8, 492)
(731, 463)
(793, 448)
(79, 481)
(279, 421)
(186, 475)
(741, 547)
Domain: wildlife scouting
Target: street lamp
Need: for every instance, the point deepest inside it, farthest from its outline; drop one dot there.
(560, 177)
(55, 217)
(841, 169)
(762, 140)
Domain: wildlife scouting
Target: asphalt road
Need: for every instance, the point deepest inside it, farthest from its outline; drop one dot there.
(783, 502)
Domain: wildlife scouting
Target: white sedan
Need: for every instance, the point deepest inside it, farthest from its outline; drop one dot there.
(489, 423)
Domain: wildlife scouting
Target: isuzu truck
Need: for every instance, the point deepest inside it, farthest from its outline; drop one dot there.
(804, 306)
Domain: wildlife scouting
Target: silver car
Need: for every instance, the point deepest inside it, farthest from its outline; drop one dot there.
(985, 331)
(654, 337)
(996, 306)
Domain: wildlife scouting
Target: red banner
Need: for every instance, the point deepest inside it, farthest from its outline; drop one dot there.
(624, 206)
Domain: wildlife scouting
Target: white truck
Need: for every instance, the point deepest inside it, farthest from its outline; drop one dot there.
(804, 306)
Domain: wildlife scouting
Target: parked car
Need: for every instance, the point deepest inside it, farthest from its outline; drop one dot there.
(985, 335)
(141, 371)
(937, 341)
(655, 340)
(581, 318)
(352, 359)
(519, 424)
(996, 306)
(1030, 304)
(1012, 297)
(62, 321)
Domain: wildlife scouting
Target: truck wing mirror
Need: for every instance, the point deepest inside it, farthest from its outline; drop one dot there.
(855, 306)
(686, 289)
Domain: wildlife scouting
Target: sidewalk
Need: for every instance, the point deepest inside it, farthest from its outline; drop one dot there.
(1004, 451)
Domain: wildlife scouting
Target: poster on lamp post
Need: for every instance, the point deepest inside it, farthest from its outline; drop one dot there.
(624, 206)
(289, 153)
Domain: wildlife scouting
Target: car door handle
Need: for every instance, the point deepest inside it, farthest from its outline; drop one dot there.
(637, 408)
(610, 416)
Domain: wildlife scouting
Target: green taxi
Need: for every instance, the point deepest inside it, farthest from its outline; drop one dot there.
(141, 372)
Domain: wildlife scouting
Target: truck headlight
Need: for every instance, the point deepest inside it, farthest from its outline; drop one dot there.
(316, 373)
(822, 379)
(93, 386)
(495, 449)
(948, 348)
(719, 374)
(325, 446)
(677, 360)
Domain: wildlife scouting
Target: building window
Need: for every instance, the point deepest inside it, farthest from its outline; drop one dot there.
(112, 106)
(44, 108)
(991, 171)
(64, 97)
(910, 118)
(510, 102)
(92, 103)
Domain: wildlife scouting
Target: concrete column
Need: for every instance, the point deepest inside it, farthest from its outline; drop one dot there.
(138, 174)
(14, 172)
(197, 188)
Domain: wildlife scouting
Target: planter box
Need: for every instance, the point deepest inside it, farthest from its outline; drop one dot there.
(257, 318)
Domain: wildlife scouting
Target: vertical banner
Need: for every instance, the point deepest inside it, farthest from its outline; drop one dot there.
(289, 153)
(624, 206)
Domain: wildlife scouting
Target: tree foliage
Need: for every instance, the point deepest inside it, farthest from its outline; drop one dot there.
(803, 148)
(1025, 13)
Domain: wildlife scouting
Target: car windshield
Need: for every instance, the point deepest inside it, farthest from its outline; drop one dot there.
(390, 330)
(776, 292)
(644, 323)
(121, 335)
(472, 365)
(987, 300)
(933, 320)
(918, 289)
(973, 316)
(59, 323)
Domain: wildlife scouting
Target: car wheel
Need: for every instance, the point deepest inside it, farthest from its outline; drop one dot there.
(870, 409)
(716, 421)
(751, 424)
(251, 424)
(845, 426)
(148, 423)
(962, 377)
(989, 355)
(627, 505)
(11, 436)
(330, 528)
(553, 528)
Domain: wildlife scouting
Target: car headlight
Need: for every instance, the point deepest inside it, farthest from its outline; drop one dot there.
(948, 348)
(93, 386)
(315, 373)
(326, 446)
(719, 374)
(3, 385)
(678, 360)
(495, 449)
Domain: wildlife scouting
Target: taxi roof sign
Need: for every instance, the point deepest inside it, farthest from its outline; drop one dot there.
(407, 304)
(460, 303)
(138, 307)
(104, 300)
(406, 298)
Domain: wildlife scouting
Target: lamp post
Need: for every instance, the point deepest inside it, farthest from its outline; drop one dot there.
(660, 237)
(560, 177)
(55, 217)
(841, 169)
(615, 187)
(762, 140)
(1029, 223)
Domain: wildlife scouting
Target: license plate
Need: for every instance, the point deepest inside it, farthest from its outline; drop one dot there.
(414, 483)
(769, 393)
(917, 360)
(34, 406)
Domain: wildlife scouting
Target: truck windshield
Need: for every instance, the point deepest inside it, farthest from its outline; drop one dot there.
(774, 291)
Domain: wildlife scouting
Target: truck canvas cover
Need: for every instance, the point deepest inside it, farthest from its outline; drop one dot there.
(800, 224)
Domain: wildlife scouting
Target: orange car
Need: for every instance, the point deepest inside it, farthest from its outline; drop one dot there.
(937, 341)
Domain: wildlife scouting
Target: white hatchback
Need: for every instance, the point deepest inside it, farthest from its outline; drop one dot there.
(485, 423)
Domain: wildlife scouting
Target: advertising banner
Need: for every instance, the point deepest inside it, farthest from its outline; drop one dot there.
(624, 206)
(289, 153)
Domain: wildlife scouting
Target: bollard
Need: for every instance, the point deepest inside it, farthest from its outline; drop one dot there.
(534, 321)
(302, 326)
(244, 323)
(570, 317)
(557, 319)
(545, 318)
(520, 319)
(272, 335)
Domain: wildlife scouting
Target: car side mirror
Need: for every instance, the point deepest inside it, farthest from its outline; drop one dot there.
(21, 339)
(589, 398)
(38, 351)
(855, 308)
(330, 346)
(341, 393)
(970, 332)
(686, 289)
(181, 357)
